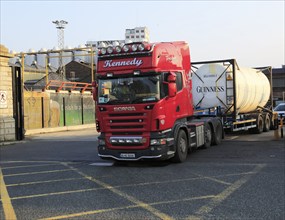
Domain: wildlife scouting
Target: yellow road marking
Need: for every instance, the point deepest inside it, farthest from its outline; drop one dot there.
(26, 166)
(89, 213)
(118, 186)
(56, 193)
(6, 201)
(223, 195)
(41, 182)
(81, 190)
(79, 214)
(212, 178)
(30, 161)
(122, 194)
(41, 172)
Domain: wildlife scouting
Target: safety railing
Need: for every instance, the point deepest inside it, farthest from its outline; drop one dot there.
(68, 86)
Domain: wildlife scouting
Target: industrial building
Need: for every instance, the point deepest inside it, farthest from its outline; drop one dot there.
(137, 34)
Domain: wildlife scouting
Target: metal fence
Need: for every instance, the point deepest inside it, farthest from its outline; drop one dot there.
(56, 109)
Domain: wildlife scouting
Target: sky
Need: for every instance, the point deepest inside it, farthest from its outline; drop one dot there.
(252, 32)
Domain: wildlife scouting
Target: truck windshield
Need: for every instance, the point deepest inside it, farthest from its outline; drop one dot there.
(129, 90)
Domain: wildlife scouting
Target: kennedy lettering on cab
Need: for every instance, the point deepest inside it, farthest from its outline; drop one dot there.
(133, 62)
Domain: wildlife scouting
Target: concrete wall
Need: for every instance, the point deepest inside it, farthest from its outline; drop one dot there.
(7, 122)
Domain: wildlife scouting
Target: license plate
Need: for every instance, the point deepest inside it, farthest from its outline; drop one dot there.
(127, 155)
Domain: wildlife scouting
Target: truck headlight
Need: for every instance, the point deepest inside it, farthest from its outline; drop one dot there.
(157, 141)
(101, 142)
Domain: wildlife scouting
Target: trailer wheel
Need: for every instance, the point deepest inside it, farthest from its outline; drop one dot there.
(218, 135)
(259, 125)
(266, 124)
(181, 148)
(207, 136)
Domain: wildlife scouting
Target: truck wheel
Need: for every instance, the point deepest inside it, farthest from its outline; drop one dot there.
(266, 123)
(181, 148)
(207, 136)
(217, 139)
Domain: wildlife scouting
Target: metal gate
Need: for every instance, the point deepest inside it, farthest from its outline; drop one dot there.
(18, 111)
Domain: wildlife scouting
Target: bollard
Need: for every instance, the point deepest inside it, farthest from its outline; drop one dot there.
(276, 134)
(276, 126)
(281, 126)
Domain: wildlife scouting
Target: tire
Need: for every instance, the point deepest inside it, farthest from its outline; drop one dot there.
(207, 136)
(259, 125)
(218, 135)
(266, 123)
(181, 148)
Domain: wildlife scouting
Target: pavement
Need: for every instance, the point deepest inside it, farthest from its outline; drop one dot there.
(58, 129)
(58, 133)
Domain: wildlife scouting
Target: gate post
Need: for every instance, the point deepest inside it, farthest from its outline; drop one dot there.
(7, 122)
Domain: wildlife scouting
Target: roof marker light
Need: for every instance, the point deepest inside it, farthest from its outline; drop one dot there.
(110, 50)
(134, 47)
(141, 47)
(126, 48)
(118, 49)
(103, 50)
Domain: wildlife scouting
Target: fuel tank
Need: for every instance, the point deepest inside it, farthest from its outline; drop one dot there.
(213, 86)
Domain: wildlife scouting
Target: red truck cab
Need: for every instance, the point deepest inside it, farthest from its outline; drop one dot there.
(143, 96)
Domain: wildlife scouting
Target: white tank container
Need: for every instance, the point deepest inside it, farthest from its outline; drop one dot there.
(213, 86)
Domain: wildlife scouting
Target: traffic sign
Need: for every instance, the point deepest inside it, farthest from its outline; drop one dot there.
(3, 99)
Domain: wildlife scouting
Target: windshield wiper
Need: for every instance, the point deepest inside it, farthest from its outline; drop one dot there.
(118, 101)
(144, 99)
(115, 101)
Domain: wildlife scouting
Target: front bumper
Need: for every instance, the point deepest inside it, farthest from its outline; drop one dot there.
(160, 152)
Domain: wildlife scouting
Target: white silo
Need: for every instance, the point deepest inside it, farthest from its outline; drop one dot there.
(54, 57)
(116, 43)
(102, 44)
(14, 59)
(80, 54)
(41, 57)
(30, 58)
(67, 56)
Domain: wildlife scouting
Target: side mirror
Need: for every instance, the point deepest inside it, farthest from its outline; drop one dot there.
(94, 90)
(172, 89)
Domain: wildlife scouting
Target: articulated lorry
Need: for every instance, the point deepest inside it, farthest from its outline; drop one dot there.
(242, 97)
(144, 104)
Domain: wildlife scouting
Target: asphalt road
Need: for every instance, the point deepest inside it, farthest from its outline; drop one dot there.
(59, 176)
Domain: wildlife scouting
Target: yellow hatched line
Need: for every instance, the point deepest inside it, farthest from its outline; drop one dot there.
(56, 193)
(122, 194)
(41, 182)
(118, 186)
(17, 167)
(224, 195)
(41, 172)
(80, 214)
(30, 161)
(212, 178)
(6, 201)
